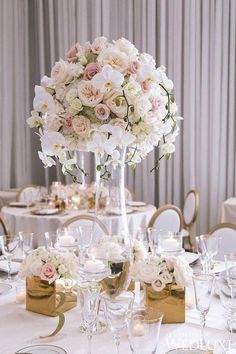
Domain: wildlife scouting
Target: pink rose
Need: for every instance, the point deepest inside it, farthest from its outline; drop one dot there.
(81, 125)
(48, 273)
(102, 111)
(67, 124)
(99, 44)
(91, 70)
(71, 55)
(88, 94)
(119, 122)
(133, 67)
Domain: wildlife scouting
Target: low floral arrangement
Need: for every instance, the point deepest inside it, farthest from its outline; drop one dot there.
(102, 97)
(49, 265)
(159, 272)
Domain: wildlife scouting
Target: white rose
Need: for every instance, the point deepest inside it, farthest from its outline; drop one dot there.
(76, 104)
(146, 58)
(59, 109)
(182, 272)
(115, 58)
(60, 93)
(71, 95)
(158, 284)
(98, 45)
(117, 104)
(88, 94)
(118, 122)
(35, 267)
(61, 72)
(127, 47)
(149, 273)
(62, 269)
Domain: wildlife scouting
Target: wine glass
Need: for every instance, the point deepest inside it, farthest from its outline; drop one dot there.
(143, 237)
(203, 288)
(117, 310)
(88, 298)
(228, 301)
(207, 247)
(50, 239)
(153, 237)
(26, 242)
(144, 332)
(9, 246)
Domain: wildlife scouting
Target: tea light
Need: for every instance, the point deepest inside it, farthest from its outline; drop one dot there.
(20, 295)
(138, 329)
(170, 244)
(66, 240)
(94, 266)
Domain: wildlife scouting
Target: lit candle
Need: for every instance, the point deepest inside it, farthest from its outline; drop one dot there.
(66, 240)
(20, 297)
(94, 266)
(138, 329)
(170, 244)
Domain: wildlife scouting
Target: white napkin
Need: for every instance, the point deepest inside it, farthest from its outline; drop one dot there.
(15, 266)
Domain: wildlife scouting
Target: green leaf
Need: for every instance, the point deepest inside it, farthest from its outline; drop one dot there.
(99, 167)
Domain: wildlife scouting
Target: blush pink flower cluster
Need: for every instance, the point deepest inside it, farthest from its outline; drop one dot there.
(49, 265)
(100, 85)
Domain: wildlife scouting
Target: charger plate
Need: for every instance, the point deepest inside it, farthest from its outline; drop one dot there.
(187, 351)
(42, 349)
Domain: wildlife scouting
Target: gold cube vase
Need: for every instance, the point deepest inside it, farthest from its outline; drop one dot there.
(43, 298)
(170, 301)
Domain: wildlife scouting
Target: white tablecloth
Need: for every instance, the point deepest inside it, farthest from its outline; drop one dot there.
(20, 219)
(20, 328)
(8, 196)
(228, 211)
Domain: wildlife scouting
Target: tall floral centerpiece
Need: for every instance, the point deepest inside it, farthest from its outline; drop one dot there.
(107, 98)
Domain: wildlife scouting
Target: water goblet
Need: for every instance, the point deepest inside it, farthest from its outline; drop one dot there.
(203, 288)
(144, 332)
(26, 242)
(88, 298)
(117, 310)
(9, 245)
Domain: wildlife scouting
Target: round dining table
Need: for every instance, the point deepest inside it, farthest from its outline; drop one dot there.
(20, 328)
(22, 219)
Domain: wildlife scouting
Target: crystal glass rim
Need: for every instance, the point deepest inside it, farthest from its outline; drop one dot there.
(158, 316)
(106, 296)
(230, 256)
(9, 237)
(203, 277)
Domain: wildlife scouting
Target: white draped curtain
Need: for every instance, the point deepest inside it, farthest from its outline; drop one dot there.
(194, 39)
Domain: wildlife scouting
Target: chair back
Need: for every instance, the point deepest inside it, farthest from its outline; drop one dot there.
(99, 229)
(191, 205)
(30, 193)
(168, 217)
(227, 233)
(3, 227)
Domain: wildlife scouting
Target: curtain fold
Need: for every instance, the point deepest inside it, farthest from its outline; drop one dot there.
(194, 39)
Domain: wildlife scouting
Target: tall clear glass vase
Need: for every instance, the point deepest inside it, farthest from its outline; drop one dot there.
(110, 181)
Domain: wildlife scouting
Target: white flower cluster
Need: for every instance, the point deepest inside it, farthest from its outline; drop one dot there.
(102, 97)
(160, 271)
(49, 265)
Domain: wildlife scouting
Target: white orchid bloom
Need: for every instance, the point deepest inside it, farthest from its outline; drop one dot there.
(120, 136)
(114, 159)
(52, 143)
(107, 79)
(35, 121)
(43, 101)
(167, 148)
(147, 73)
(46, 160)
(68, 165)
(100, 144)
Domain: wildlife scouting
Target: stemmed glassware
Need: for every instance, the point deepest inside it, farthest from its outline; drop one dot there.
(117, 310)
(203, 288)
(207, 248)
(143, 237)
(50, 239)
(153, 238)
(9, 246)
(230, 266)
(26, 242)
(88, 297)
(144, 332)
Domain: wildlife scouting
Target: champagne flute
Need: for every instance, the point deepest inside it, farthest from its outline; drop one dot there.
(117, 310)
(9, 246)
(153, 238)
(203, 288)
(88, 297)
